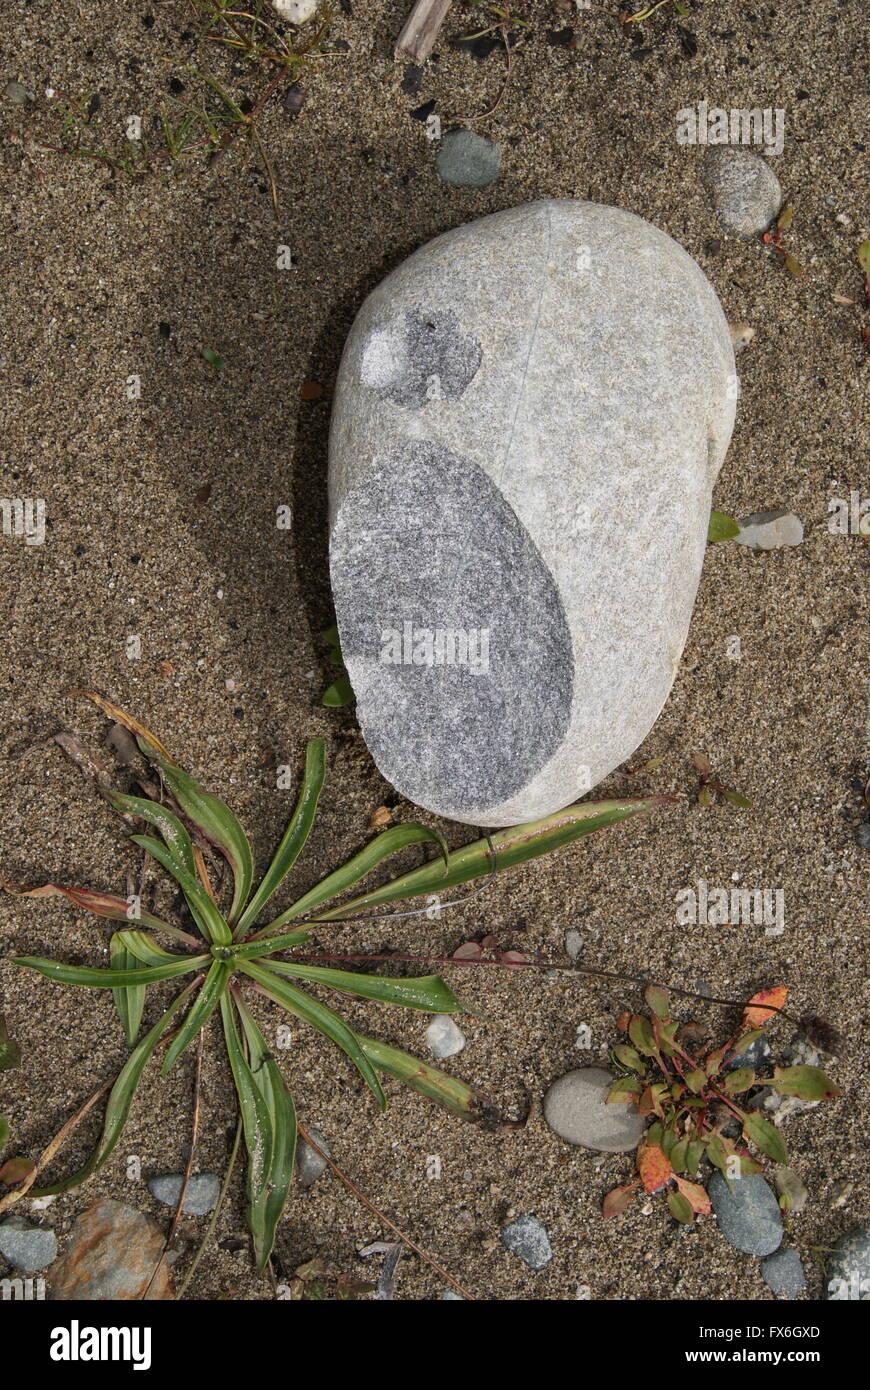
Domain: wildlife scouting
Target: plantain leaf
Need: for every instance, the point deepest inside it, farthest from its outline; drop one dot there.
(641, 1034)
(433, 1083)
(256, 947)
(104, 905)
(65, 974)
(120, 1098)
(201, 1011)
(178, 842)
(213, 819)
(319, 1016)
(658, 1000)
(129, 1003)
(295, 835)
(809, 1083)
(426, 992)
(205, 914)
(738, 1080)
(282, 1120)
(256, 1127)
(368, 858)
(513, 846)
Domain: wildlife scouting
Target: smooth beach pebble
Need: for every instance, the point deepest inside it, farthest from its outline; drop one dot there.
(575, 1108)
(527, 1238)
(784, 1273)
(200, 1198)
(443, 1038)
(27, 1247)
(467, 160)
(743, 188)
(748, 1212)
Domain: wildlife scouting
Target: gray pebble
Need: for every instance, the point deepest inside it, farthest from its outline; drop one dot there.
(756, 1056)
(748, 1213)
(528, 1240)
(443, 1037)
(862, 834)
(784, 1273)
(770, 530)
(467, 160)
(27, 1247)
(849, 1267)
(18, 95)
(200, 1198)
(575, 1108)
(309, 1163)
(743, 188)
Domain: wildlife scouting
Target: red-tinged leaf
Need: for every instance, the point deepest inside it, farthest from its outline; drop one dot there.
(864, 257)
(622, 1021)
(695, 1195)
(121, 717)
(103, 905)
(615, 1202)
(515, 958)
(653, 1166)
(310, 391)
(16, 1170)
(714, 1061)
(627, 1088)
(702, 764)
(641, 1034)
(809, 1083)
(469, 950)
(681, 1208)
(658, 1000)
(762, 1006)
(646, 1104)
(696, 1080)
(765, 1136)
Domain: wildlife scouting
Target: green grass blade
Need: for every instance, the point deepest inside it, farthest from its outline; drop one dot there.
(64, 974)
(142, 947)
(368, 858)
(513, 846)
(129, 1003)
(213, 819)
(431, 1082)
(178, 842)
(105, 905)
(426, 992)
(120, 1098)
(205, 914)
(282, 1118)
(295, 835)
(203, 1007)
(318, 1016)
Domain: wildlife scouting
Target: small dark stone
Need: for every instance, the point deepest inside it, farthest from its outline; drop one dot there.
(238, 714)
(412, 80)
(176, 86)
(80, 550)
(688, 42)
(801, 95)
(561, 38)
(295, 98)
(713, 247)
(94, 104)
(164, 329)
(638, 54)
(341, 46)
(479, 48)
(134, 559)
(148, 21)
(422, 113)
(862, 834)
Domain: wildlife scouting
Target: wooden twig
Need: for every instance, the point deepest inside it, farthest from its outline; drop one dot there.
(420, 31)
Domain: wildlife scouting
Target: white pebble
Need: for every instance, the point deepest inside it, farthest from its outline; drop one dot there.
(443, 1037)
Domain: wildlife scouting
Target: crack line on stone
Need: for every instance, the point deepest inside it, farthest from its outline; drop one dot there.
(534, 335)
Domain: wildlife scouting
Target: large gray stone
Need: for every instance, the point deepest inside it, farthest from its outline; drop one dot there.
(529, 417)
(27, 1247)
(576, 1108)
(747, 1211)
(849, 1267)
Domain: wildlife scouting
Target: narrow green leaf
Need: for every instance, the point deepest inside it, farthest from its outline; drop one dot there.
(318, 1016)
(144, 948)
(178, 842)
(368, 858)
(120, 1098)
(106, 905)
(426, 992)
(213, 819)
(433, 1083)
(282, 1120)
(129, 1003)
(256, 1127)
(721, 528)
(295, 835)
(110, 979)
(267, 946)
(513, 846)
(205, 914)
(201, 1011)
(765, 1136)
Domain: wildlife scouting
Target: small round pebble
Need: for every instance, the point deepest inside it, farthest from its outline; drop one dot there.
(743, 188)
(443, 1038)
(748, 1213)
(309, 1163)
(575, 1108)
(200, 1198)
(467, 160)
(848, 1278)
(784, 1273)
(27, 1247)
(862, 834)
(528, 1240)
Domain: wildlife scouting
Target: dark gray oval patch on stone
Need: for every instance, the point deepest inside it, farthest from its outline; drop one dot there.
(420, 357)
(452, 629)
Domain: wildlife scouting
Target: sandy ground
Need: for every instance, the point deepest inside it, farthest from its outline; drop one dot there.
(161, 524)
